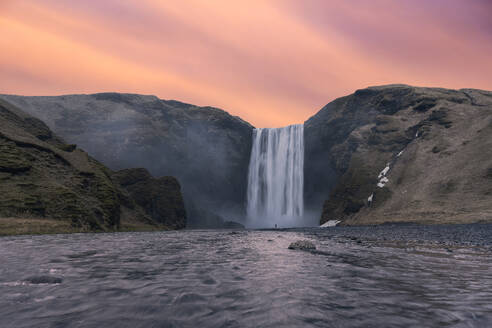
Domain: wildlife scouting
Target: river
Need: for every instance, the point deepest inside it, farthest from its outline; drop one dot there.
(389, 276)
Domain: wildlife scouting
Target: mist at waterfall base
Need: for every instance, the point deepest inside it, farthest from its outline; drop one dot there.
(275, 196)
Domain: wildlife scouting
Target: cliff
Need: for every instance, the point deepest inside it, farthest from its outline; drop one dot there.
(393, 153)
(402, 154)
(160, 198)
(205, 148)
(42, 177)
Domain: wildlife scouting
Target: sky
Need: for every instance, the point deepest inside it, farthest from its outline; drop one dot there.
(272, 63)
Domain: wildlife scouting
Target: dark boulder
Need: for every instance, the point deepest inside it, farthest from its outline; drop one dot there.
(44, 280)
(303, 245)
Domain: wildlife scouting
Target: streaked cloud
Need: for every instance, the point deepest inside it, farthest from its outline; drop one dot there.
(271, 62)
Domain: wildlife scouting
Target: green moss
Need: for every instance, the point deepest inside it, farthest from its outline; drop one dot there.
(107, 195)
(353, 205)
(39, 178)
(34, 226)
(13, 159)
(160, 198)
(350, 194)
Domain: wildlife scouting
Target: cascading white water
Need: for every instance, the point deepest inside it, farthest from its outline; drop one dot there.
(276, 177)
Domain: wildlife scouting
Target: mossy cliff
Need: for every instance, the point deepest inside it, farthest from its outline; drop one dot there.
(383, 154)
(160, 198)
(401, 153)
(205, 148)
(42, 177)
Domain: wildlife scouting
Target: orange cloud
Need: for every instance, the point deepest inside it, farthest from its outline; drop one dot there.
(271, 62)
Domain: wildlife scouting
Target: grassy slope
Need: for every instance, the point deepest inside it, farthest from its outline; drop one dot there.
(37, 226)
(47, 186)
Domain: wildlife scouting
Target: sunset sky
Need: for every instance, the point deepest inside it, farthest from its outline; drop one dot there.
(271, 62)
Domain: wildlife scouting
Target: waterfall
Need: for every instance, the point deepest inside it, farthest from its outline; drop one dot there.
(276, 177)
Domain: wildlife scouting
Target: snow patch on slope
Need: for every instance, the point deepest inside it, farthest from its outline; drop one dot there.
(384, 171)
(330, 223)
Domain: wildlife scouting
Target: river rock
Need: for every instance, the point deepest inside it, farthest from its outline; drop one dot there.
(303, 245)
(44, 280)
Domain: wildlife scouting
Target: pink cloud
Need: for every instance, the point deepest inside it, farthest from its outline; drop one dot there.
(272, 63)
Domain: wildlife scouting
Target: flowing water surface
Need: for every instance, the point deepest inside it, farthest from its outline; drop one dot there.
(358, 277)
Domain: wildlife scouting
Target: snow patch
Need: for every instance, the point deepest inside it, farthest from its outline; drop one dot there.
(417, 134)
(384, 171)
(399, 154)
(369, 199)
(383, 182)
(330, 223)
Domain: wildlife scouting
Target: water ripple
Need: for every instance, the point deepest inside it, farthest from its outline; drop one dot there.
(359, 277)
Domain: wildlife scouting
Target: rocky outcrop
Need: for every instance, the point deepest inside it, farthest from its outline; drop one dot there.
(401, 153)
(160, 197)
(42, 177)
(205, 148)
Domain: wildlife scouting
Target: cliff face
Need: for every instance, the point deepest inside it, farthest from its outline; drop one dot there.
(383, 154)
(41, 176)
(160, 198)
(401, 153)
(205, 148)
